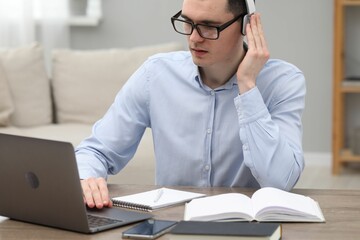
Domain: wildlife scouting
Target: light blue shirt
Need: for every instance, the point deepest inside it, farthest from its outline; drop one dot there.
(202, 136)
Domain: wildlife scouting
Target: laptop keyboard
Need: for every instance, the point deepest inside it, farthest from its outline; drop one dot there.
(96, 221)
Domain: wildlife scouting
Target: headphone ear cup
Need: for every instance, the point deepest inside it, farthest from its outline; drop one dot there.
(244, 22)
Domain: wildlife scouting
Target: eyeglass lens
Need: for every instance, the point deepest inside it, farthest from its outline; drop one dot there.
(204, 31)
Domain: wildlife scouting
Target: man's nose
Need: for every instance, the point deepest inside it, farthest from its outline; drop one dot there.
(195, 36)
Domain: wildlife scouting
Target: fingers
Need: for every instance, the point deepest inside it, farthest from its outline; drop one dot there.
(95, 192)
(256, 37)
(104, 192)
(254, 33)
(261, 32)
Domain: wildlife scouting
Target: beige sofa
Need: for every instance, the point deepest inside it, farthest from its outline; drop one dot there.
(83, 85)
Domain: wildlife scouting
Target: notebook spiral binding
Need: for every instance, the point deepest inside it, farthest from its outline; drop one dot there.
(133, 206)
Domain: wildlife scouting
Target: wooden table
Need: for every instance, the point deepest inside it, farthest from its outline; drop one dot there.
(341, 209)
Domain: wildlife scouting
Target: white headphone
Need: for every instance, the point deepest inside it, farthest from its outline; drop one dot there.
(250, 7)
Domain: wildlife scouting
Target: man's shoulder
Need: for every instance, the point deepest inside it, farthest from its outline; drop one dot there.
(174, 56)
(280, 75)
(178, 61)
(281, 65)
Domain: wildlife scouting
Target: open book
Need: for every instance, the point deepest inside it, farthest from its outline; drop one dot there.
(154, 199)
(265, 205)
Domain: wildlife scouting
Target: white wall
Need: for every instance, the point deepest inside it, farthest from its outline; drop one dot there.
(301, 32)
(129, 23)
(296, 32)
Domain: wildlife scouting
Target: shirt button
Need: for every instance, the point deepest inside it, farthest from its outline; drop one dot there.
(245, 147)
(208, 131)
(207, 168)
(212, 92)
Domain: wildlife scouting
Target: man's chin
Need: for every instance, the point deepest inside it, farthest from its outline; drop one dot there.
(198, 62)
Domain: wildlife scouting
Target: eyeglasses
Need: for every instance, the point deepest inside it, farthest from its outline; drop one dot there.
(205, 31)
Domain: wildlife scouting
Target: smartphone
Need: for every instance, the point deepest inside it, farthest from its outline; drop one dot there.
(149, 229)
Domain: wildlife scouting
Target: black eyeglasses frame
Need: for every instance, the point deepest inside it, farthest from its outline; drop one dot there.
(218, 28)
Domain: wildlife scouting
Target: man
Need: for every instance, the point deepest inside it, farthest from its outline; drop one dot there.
(220, 115)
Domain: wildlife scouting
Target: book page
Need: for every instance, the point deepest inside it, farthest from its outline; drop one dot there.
(271, 204)
(220, 207)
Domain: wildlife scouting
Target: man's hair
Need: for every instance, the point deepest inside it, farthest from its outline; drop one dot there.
(237, 7)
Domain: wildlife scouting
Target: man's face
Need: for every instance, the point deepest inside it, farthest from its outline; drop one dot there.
(227, 47)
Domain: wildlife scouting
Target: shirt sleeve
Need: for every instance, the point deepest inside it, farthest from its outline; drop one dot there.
(271, 133)
(116, 136)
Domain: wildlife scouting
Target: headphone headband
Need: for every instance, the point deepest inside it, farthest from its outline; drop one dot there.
(250, 7)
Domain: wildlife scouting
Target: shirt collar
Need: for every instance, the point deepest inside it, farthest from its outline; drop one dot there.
(227, 86)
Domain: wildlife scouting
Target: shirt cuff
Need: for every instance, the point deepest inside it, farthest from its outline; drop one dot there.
(250, 106)
(89, 168)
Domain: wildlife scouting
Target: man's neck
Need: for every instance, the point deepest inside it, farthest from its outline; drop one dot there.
(213, 78)
(217, 75)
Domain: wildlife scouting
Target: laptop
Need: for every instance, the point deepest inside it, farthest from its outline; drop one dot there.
(39, 183)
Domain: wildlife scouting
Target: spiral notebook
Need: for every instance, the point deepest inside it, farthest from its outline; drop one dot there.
(155, 199)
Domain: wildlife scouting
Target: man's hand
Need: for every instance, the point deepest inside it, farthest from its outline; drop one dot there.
(96, 193)
(256, 56)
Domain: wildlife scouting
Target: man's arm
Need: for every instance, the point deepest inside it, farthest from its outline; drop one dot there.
(271, 133)
(114, 140)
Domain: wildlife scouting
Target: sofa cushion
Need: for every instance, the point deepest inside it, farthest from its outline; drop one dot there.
(72, 132)
(29, 85)
(85, 82)
(140, 170)
(6, 104)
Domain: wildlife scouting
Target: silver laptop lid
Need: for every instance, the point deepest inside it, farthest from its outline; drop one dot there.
(39, 183)
(36, 188)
